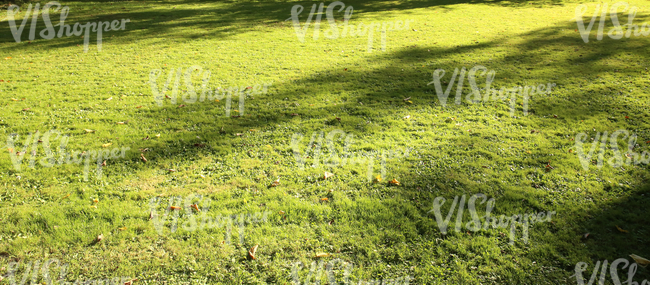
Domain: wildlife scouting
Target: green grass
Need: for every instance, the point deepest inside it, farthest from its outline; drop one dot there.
(384, 231)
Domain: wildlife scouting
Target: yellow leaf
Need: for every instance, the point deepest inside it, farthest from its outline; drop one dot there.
(14, 99)
(322, 254)
(394, 182)
(122, 229)
(66, 196)
(324, 199)
(96, 200)
(621, 230)
(107, 144)
(640, 260)
(378, 178)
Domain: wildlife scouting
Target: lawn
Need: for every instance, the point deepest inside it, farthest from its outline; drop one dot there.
(322, 159)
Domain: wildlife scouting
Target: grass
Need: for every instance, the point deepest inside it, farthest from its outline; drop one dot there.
(385, 231)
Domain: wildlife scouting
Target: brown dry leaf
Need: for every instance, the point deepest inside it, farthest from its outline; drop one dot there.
(100, 237)
(181, 105)
(143, 158)
(138, 107)
(107, 144)
(328, 175)
(195, 207)
(172, 170)
(322, 254)
(394, 182)
(89, 131)
(621, 230)
(175, 208)
(104, 163)
(251, 252)
(27, 109)
(324, 199)
(640, 260)
(131, 282)
(150, 215)
(275, 183)
(11, 150)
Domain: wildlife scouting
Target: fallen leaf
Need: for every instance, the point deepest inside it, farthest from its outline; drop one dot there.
(195, 207)
(324, 199)
(281, 212)
(621, 230)
(406, 99)
(150, 215)
(275, 183)
(11, 150)
(107, 144)
(640, 260)
(131, 282)
(407, 116)
(14, 99)
(158, 135)
(120, 123)
(251, 252)
(89, 131)
(100, 237)
(239, 134)
(27, 109)
(181, 105)
(143, 158)
(449, 120)
(104, 163)
(328, 175)
(172, 170)
(394, 182)
(409, 101)
(66, 196)
(174, 208)
(122, 229)
(9, 57)
(109, 99)
(322, 254)
(96, 200)
(378, 178)
(138, 107)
